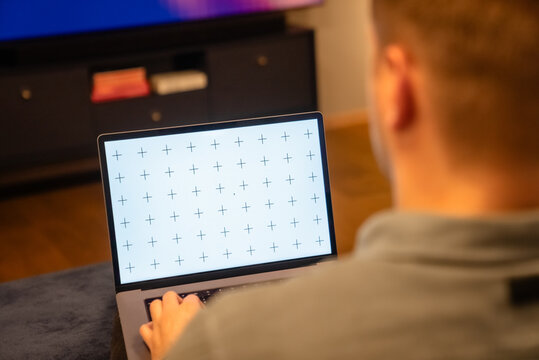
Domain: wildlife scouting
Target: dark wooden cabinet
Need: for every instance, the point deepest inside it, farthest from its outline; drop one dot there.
(45, 117)
(48, 119)
(273, 76)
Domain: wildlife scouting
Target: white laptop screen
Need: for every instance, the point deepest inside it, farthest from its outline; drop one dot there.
(216, 199)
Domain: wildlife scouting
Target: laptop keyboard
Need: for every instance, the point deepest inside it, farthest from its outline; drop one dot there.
(203, 295)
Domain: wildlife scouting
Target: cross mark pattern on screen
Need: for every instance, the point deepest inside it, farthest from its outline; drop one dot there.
(217, 199)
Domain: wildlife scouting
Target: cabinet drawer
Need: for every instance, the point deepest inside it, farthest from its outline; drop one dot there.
(150, 112)
(267, 76)
(44, 114)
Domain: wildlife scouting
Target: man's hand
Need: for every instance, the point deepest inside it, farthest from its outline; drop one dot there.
(169, 318)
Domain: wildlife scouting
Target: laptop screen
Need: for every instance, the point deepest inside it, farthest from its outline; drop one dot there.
(203, 198)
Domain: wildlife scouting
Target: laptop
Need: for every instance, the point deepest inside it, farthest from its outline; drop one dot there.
(211, 207)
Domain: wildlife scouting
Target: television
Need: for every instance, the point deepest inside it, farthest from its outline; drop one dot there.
(37, 19)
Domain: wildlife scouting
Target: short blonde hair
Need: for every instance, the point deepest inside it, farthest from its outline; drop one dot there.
(484, 57)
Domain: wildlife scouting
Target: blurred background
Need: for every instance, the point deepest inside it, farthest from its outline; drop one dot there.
(71, 70)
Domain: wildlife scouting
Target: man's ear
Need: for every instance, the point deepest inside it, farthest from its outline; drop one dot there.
(401, 112)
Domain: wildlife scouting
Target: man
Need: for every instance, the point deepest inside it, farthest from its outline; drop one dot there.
(452, 271)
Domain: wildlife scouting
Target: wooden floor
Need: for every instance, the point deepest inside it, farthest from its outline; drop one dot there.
(64, 228)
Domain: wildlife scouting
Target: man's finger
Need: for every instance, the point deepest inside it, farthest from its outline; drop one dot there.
(171, 301)
(192, 302)
(192, 298)
(156, 307)
(146, 333)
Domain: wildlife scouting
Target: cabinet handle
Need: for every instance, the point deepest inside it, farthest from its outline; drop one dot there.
(156, 116)
(26, 94)
(262, 60)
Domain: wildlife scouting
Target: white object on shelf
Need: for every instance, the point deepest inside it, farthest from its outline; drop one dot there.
(178, 81)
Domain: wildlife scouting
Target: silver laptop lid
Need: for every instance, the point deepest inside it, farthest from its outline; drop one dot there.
(202, 202)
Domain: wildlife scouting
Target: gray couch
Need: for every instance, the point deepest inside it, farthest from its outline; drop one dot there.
(63, 315)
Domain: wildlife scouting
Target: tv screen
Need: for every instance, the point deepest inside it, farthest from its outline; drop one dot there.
(27, 19)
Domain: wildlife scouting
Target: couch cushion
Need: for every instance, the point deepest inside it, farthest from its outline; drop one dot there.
(63, 315)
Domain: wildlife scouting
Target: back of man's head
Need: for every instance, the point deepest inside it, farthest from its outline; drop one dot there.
(484, 57)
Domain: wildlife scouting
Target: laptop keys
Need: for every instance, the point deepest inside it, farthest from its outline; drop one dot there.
(203, 295)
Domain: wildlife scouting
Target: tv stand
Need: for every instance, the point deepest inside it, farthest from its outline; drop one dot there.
(49, 124)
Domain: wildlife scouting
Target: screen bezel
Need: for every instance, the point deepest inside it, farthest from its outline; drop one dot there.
(215, 274)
